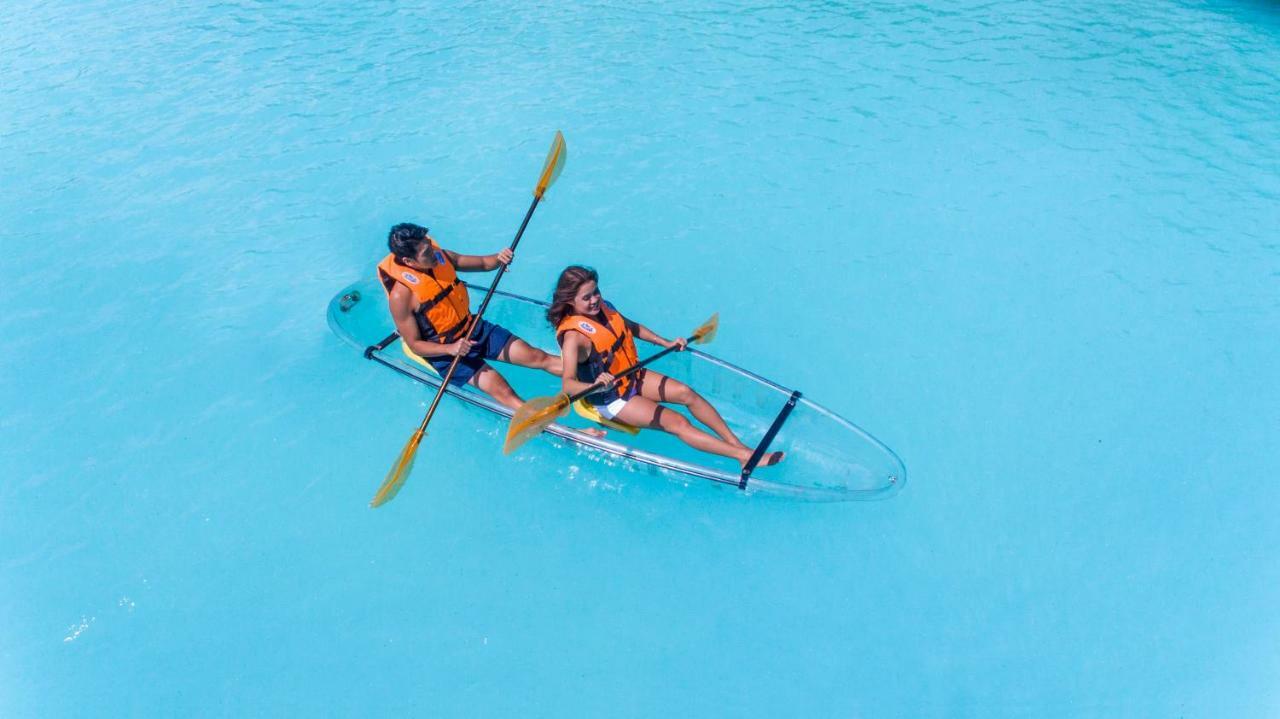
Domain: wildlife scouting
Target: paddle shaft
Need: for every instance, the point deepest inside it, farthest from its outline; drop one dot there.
(629, 371)
(475, 318)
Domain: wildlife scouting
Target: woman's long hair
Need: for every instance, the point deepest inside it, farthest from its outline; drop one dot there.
(571, 280)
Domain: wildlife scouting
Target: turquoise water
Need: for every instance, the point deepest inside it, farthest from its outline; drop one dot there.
(1030, 246)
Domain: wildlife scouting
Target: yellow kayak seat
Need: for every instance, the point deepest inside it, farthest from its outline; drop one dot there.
(588, 411)
(411, 355)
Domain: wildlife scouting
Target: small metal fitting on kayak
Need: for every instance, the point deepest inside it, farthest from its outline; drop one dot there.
(368, 351)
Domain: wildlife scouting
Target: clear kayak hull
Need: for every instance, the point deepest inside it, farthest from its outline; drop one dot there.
(828, 457)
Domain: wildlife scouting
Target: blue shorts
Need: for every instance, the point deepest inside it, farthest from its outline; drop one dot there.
(489, 341)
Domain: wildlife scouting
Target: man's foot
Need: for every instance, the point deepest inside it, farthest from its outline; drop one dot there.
(594, 432)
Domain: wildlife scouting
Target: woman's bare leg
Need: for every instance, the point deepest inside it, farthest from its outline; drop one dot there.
(644, 412)
(661, 388)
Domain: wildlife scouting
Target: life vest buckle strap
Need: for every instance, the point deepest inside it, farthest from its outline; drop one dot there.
(453, 334)
(439, 296)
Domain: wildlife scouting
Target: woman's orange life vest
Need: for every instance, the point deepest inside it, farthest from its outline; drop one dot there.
(443, 304)
(613, 349)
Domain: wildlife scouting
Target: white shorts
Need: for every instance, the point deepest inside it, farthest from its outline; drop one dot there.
(611, 410)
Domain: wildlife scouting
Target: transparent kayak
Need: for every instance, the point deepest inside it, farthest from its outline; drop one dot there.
(828, 458)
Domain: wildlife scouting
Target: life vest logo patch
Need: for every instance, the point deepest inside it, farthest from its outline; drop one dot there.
(439, 257)
(409, 277)
(586, 327)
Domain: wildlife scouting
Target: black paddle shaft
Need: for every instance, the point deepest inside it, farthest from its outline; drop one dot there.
(475, 318)
(629, 371)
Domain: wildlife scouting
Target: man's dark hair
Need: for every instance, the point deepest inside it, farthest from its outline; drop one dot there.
(406, 240)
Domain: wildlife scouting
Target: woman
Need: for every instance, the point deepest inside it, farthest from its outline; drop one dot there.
(597, 344)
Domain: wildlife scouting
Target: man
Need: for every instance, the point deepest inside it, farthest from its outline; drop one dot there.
(432, 313)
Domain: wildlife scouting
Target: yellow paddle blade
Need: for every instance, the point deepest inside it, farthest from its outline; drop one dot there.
(399, 472)
(555, 163)
(707, 331)
(532, 417)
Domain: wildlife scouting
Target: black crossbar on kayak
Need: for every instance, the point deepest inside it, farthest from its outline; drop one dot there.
(368, 351)
(763, 447)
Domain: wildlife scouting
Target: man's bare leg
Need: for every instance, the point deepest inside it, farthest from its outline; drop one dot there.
(519, 352)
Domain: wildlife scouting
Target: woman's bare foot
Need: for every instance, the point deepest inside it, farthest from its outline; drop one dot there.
(768, 460)
(594, 432)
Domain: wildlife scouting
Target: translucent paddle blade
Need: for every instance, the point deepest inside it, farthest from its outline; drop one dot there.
(531, 418)
(555, 163)
(399, 472)
(707, 331)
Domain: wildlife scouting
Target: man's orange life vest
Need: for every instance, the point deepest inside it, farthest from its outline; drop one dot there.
(443, 305)
(613, 349)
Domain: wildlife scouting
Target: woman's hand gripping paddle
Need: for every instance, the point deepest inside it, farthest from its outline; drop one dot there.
(535, 415)
(400, 470)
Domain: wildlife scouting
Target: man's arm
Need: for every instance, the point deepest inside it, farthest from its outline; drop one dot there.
(479, 263)
(402, 306)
